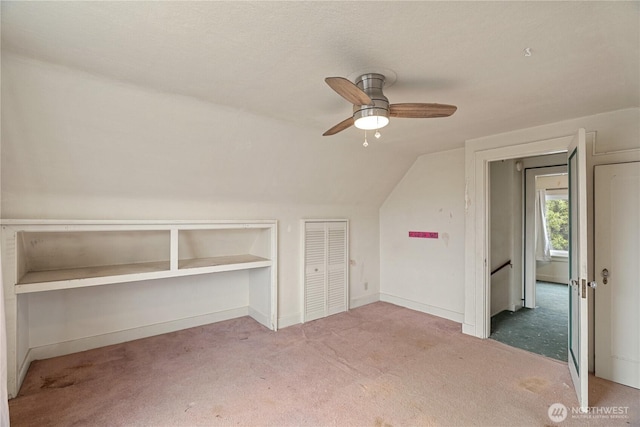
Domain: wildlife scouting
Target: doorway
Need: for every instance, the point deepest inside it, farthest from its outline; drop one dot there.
(529, 295)
(542, 330)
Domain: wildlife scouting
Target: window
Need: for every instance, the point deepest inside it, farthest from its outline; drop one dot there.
(557, 215)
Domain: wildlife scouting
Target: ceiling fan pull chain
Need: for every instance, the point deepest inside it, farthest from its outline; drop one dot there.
(365, 143)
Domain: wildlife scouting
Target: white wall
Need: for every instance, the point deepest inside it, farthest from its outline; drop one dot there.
(556, 270)
(504, 201)
(78, 146)
(425, 274)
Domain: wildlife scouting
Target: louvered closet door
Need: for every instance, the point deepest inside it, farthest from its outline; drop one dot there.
(315, 256)
(325, 269)
(336, 267)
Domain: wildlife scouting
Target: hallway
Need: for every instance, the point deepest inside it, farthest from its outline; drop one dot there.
(542, 330)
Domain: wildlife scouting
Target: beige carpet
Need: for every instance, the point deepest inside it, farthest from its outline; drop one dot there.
(377, 365)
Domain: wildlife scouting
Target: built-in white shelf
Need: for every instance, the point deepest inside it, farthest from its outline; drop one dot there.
(47, 280)
(227, 263)
(69, 278)
(49, 256)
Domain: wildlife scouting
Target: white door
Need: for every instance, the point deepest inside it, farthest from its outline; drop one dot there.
(617, 298)
(578, 268)
(315, 260)
(325, 268)
(336, 267)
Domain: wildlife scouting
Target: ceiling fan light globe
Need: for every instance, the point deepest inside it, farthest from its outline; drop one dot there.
(371, 122)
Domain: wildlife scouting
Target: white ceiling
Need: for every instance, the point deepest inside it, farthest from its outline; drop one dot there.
(270, 58)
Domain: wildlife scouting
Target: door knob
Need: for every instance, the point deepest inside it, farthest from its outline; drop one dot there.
(593, 285)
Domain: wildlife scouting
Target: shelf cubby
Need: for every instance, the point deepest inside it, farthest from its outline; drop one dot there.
(49, 260)
(242, 248)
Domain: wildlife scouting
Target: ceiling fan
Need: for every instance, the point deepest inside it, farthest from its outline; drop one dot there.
(371, 109)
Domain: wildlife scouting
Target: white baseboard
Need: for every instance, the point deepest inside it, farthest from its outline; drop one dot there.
(549, 278)
(260, 318)
(294, 319)
(117, 337)
(22, 373)
(425, 308)
(367, 299)
(290, 320)
(468, 329)
(515, 307)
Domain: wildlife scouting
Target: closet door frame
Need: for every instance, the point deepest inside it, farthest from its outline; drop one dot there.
(303, 266)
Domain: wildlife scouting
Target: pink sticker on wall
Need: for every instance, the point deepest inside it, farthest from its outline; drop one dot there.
(424, 234)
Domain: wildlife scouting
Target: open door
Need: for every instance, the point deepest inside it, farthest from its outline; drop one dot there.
(578, 268)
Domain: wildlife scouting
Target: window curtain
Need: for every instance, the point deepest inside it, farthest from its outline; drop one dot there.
(543, 246)
(4, 403)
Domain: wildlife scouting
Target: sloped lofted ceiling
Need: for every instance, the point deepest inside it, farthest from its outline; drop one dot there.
(268, 60)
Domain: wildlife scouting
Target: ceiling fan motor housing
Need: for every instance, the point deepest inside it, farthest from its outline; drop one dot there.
(372, 85)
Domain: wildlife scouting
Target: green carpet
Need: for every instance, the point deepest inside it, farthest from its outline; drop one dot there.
(542, 330)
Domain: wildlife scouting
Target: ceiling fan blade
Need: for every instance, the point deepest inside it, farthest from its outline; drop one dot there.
(421, 111)
(348, 90)
(339, 127)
